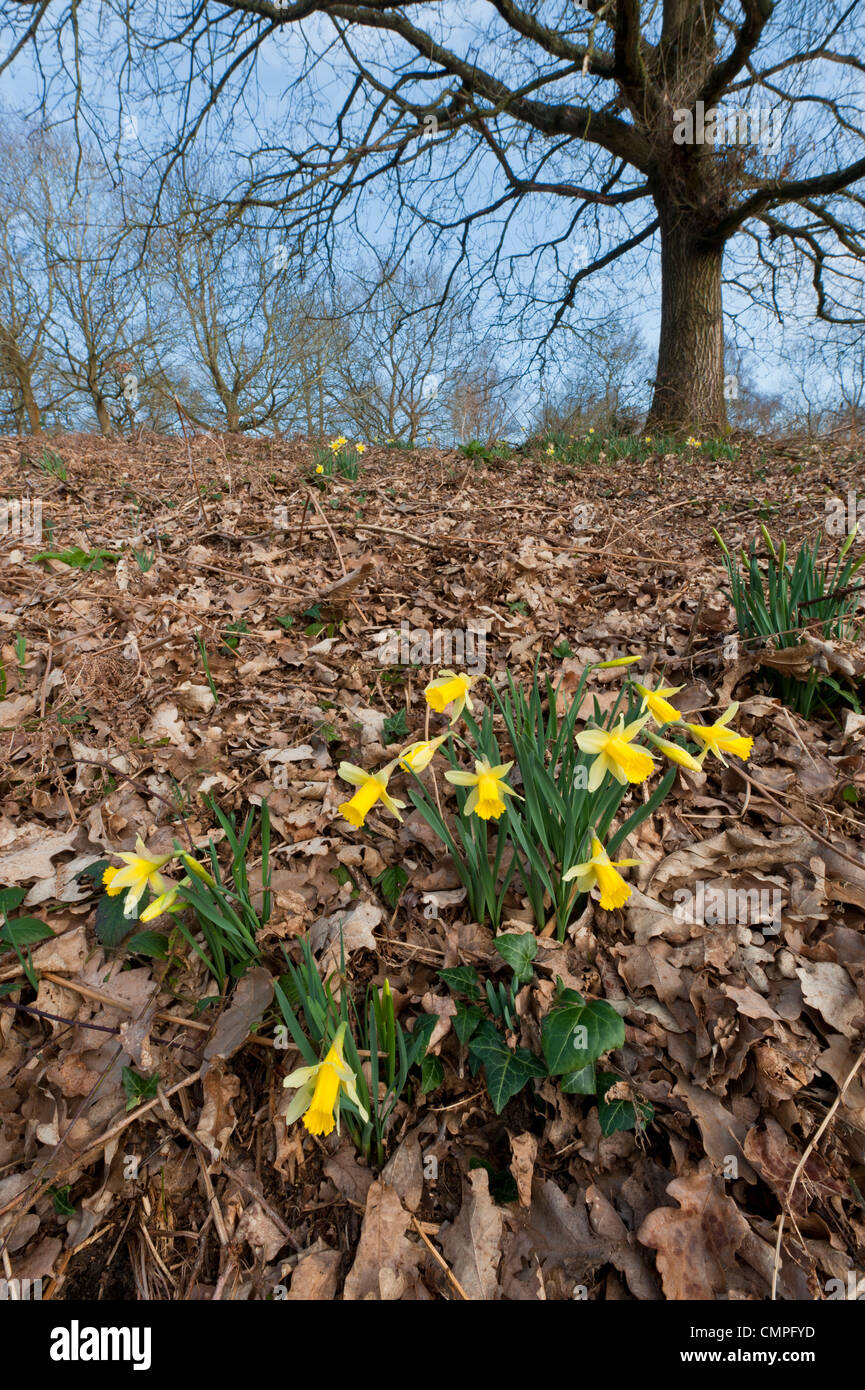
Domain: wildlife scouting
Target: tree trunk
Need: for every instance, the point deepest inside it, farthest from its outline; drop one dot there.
(689, 381)
(30, 405)
(19, 368)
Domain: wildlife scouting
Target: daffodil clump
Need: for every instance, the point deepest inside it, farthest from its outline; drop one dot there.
(572, 783)
(227, 919)
(357, 1057)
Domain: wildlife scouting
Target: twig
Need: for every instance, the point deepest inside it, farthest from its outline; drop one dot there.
(198, 491)
(435, 1254)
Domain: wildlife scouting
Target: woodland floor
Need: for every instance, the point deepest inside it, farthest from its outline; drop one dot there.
(740, 1040)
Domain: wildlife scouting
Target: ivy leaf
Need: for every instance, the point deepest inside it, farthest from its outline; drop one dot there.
(432, 1073)
(391, 882)
(518, 949)
(619, 1114)
(462, 979)
(575, 1035)
(110, 925)
(394, 727)
(148, 943)
(506, 1072)
(138, 1088)
(466, 1020)
(417, 1040)
(580, 1083)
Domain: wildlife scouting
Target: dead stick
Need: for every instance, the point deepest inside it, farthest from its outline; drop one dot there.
(191, 464)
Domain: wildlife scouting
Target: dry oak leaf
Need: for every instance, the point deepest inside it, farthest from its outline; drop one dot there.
(315, 1276)
(385, 1265)
(217, 1118)
(828, 988)
(696, 1243)
(524, 1148)
(404, 1171)
(473, 1243)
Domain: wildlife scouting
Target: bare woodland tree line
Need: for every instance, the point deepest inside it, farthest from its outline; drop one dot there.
(108, 318)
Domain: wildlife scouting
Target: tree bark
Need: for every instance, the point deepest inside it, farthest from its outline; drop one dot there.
(689, 381)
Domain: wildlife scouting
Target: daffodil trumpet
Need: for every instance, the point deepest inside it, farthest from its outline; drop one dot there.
(657, 703)
(602, 872)
(718, 739)
(371, 788)
(486, 799)
(615, 753)
(451, 688)
(320, 1089)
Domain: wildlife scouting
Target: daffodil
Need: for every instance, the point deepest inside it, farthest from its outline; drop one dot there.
(319, 468)
(361, 448)
(550, 449)
(419, 755)
(140, 872)
(164, 903)
(694, 443)
(674, 752)
(648, 439)
(615, 753)
(372, 787)
(450, 688)
(657, 703)
(487, 799)
(718, 739)
(601, 870)
(198, 869)
(320, 1088)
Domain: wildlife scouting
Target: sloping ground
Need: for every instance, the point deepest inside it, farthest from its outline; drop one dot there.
(740, 1035)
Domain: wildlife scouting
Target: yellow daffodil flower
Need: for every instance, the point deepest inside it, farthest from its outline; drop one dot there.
(592, 430)
(694, 443)
(165, 901)
(716, 738)
(550, 449)
(372, 787)
(319, 1089)
(450, 688)
(601, 870)
(486, 801)
(419, 755)
(615, 754)
(140, 872)
(361, 448)
(648, 439)
(675, 752)
(319, 468)
(616, 661)
(657, 703)
(198, 869)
